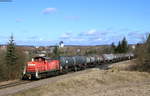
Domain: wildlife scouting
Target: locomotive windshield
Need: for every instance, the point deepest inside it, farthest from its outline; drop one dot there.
(42, 59)
(39, 59)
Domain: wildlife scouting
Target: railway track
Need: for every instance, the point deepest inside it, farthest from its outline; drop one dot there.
(13, 84)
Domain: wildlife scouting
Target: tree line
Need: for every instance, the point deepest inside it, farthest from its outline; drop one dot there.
(122, 46)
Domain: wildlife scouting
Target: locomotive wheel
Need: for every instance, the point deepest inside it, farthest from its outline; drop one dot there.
(65, 69)
(39, 77)
(24, 77)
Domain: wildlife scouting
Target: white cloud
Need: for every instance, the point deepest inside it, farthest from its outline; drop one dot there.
(91, 32)
(49, 10)
(94, 37)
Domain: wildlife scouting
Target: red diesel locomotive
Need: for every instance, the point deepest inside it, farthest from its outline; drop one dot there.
(40, 67)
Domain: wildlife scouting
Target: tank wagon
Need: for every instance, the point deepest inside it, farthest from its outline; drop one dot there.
(72, 63)
(41, 67)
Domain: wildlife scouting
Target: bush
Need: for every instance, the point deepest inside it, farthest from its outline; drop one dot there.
(143, 55)
(3, 67)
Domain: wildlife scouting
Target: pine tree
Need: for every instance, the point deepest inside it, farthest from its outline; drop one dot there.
(11, 58)
(113, 47)
(124, 45)
(118, 48)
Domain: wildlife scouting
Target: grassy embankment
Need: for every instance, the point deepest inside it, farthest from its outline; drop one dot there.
(97, 82)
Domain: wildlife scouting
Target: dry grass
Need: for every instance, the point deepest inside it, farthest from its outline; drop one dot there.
(8, 82)
(95, 82)
(126, 65)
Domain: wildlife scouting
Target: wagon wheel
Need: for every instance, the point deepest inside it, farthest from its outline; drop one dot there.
(75, 68)
(65, 69)
(84, 66)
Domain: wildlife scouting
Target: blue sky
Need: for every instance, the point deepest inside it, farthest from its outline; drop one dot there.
(76, 22)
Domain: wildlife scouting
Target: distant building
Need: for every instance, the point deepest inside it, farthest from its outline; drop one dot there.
(61, 44)
(133, 47)
(36, 47)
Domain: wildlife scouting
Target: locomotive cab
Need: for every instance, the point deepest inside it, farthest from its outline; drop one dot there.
(37, 62)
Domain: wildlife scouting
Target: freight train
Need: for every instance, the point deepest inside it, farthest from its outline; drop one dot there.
(41, 67)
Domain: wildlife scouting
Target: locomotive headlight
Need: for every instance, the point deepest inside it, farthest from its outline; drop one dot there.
(31, 64)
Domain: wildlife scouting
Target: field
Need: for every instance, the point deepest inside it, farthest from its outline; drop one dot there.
(95, 82)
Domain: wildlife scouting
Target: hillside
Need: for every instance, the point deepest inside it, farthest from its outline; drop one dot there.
(96, 82)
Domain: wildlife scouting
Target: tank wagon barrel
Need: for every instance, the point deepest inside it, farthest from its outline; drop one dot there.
(108, 58)
(73, 62)
(80, 59)
(67, 61)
